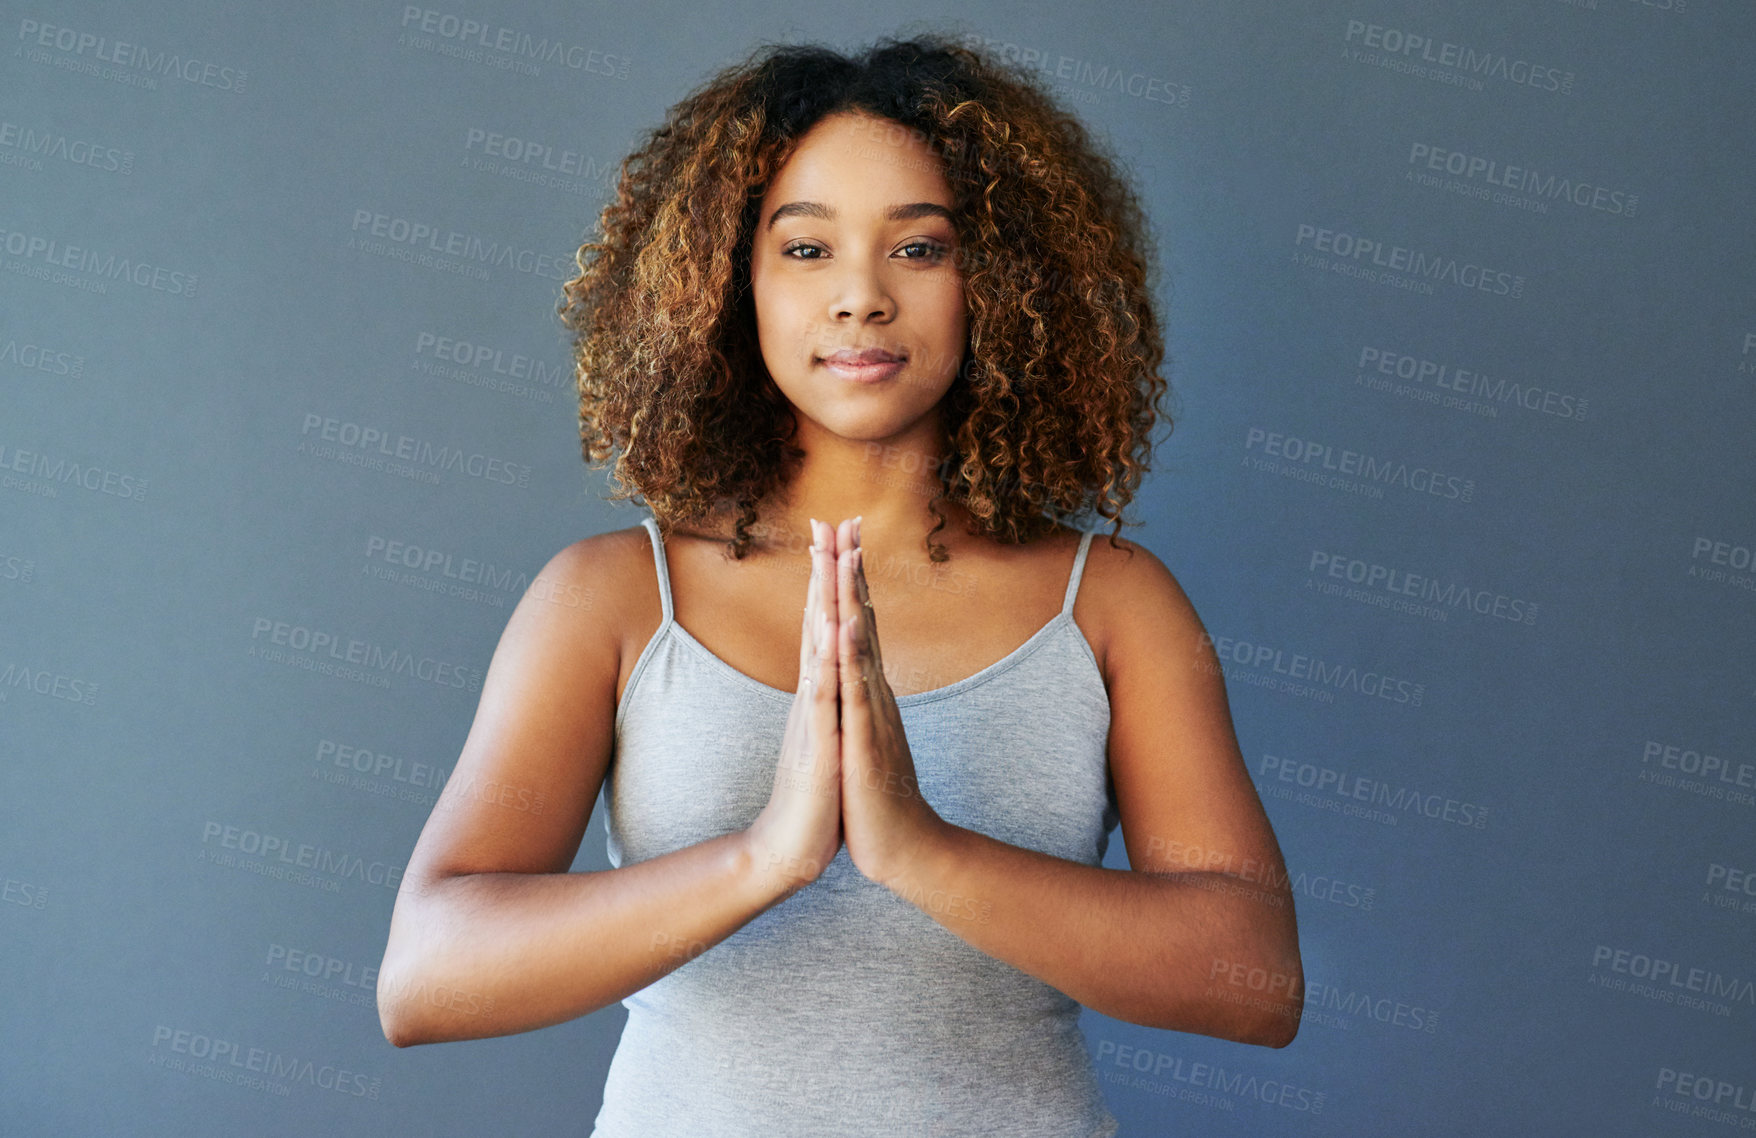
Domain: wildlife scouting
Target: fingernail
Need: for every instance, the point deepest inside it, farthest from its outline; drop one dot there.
(857, 518)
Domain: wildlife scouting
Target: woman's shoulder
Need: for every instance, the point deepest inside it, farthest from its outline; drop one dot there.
(606, 577)
(1128, 598)
(601, 559)
(1120, 562)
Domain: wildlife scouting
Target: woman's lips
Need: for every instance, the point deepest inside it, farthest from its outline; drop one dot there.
(870, 366)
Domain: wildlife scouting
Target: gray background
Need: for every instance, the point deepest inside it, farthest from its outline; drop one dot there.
(190, 303)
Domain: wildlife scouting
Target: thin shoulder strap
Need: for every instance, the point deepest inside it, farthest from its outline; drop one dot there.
(1078, 571)
(664, 570)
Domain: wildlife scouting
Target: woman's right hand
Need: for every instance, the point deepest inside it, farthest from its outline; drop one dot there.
(798, 833)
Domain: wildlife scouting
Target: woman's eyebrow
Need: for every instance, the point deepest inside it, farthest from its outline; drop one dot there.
(909, 212)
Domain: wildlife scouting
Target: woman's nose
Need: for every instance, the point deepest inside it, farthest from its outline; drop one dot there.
(860, 292)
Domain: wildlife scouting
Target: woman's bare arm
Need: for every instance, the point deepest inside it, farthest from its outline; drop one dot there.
(1200, 935)
(491, 934)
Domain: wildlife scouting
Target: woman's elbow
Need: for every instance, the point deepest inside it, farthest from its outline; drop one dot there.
(1278, 1029)
(1265, 996)
(396, 1015)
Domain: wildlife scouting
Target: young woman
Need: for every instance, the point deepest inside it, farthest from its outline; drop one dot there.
(858, 794)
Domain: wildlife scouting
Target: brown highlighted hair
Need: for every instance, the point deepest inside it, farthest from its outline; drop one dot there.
(1051, 414)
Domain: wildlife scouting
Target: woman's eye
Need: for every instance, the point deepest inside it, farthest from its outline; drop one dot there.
(934, 250)
(925, 251)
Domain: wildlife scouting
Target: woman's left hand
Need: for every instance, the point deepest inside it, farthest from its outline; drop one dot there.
(886, 822)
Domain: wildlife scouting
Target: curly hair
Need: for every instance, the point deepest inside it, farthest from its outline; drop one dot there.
(1051, 413)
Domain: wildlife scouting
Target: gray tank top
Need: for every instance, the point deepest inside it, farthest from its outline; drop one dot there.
(845, 1009)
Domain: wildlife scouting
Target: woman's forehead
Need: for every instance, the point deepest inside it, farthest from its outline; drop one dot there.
(850, 159)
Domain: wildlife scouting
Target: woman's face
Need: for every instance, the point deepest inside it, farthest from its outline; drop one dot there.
(854, 251)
